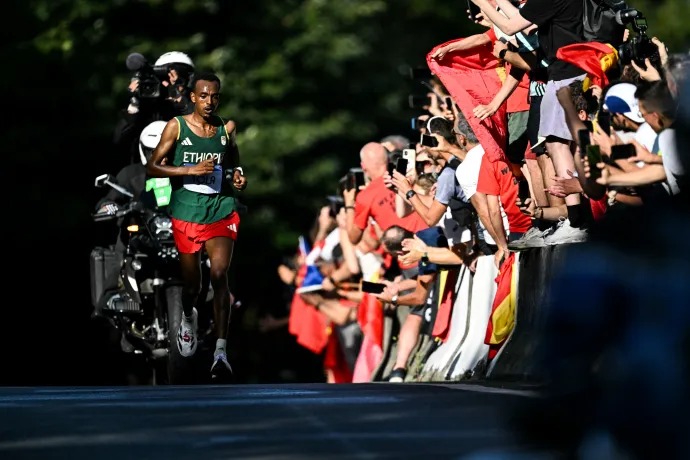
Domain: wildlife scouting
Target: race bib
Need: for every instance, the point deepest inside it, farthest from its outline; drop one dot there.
(161, 190)
(208, 184)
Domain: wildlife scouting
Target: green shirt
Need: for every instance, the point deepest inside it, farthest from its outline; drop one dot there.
(201, 199)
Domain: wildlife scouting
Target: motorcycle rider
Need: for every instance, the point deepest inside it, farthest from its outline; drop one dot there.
(132, 178)
(173, 101)
(198, 152)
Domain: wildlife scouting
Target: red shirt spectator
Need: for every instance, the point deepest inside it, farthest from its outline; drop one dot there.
(376, 201)
(497, 179)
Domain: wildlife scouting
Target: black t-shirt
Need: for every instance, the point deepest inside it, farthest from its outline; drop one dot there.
(560, 24)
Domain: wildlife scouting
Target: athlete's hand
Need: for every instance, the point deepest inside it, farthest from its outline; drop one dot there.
(239, 181)
(202, 169)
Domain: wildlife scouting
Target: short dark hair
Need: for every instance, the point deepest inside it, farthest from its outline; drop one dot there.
(393, 237)
(205, 76)
(444, 128)
(583, 100)
(657, 98)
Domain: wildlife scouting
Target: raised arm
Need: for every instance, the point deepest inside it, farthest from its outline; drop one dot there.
(508, 26)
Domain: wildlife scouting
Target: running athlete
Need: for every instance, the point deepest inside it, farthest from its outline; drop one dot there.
(197, 152)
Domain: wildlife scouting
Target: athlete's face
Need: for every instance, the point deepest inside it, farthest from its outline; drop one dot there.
(205, 96)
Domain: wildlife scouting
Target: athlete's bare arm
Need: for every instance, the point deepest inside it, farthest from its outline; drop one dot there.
(239, 181)
(157, 167)
(231, 129)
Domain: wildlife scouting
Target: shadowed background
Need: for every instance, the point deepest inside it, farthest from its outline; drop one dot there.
(308, 83)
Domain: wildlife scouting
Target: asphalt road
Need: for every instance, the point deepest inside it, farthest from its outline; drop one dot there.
(364, 421)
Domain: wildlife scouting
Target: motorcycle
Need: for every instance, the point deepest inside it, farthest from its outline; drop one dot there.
(146, 304)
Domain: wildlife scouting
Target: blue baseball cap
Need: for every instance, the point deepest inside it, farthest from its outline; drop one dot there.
(620, 98)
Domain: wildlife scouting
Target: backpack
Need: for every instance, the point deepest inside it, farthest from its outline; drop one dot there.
(599, 21)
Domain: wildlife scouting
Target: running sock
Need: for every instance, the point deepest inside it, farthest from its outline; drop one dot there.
(575, 216)
(220, 347)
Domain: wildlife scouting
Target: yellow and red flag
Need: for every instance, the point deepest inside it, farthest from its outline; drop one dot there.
(502, 319)
(594, 58)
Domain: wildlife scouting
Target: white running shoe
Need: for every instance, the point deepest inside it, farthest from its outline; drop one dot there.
(566, 234)
(187, 335)
(221, 366)
(533, 238)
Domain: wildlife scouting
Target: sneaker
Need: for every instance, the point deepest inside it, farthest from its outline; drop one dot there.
(533, 238)
(565, 234)
(221, 366)
(397, 376)
(186, 337)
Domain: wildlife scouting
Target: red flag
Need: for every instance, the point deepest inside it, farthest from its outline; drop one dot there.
(370, 318)
(334, 361)
(445, 306)
(593, 57)
(474, 77)
(502, 318)
(306, 323)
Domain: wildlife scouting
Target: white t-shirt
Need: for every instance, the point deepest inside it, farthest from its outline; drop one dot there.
(672, 164)
(646, 136)
(467, 173)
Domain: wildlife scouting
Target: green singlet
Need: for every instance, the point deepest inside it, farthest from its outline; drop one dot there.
(201, 199)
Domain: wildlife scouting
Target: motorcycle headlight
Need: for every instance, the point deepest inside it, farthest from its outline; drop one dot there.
(162, 225)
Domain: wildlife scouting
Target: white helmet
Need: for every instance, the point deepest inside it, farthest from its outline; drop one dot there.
(174, 57)
(149, 139)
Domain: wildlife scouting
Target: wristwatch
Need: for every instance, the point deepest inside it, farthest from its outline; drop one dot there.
(425, 258)
(394, 300)
(502, 53)
(410, 194)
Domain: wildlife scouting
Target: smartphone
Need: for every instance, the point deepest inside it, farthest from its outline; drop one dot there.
(420, 73)
(449, 103)
(410, 155)
(604, 120)
(335, 203)
(428, 141)
(622, 152)
(401, 166)
(589, 125)
(418, 102)
(583, 141)
(594, 157)
(355, 178)
(523, 190)
(373, 288)
(417, 124)
(474, 10)
(342, 185)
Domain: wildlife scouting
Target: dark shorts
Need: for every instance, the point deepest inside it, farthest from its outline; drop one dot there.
(418, 310)
(518, 136)
(190, 236)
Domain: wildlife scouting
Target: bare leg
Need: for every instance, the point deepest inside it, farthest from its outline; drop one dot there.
(409, 334)
(220, 254)
(563, 161)
(190, 265)
(548, 171)
(534, 174)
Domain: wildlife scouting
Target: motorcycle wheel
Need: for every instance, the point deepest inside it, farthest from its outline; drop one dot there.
(179, 367)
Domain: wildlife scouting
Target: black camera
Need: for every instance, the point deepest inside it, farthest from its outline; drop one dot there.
(150, 77)
(641, 46)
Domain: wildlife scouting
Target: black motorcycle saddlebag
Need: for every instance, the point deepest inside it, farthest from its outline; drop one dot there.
(104, 268)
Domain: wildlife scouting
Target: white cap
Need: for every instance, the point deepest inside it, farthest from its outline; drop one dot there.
(620, 98)
(174, 57)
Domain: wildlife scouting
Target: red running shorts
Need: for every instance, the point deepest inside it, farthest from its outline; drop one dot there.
(190, 237)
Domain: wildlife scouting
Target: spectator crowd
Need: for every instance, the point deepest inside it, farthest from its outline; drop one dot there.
(530, 135)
